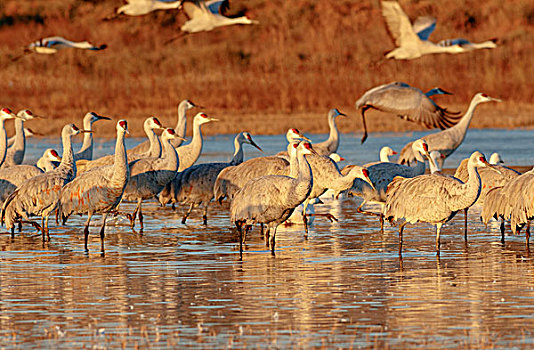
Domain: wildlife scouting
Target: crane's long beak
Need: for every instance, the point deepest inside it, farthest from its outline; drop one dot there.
(445, 92)
(496, 99)
(255, 145)
(214, 119)
(101, 117)
(492, 167)
(300, 135)
(85, 131)
(180, 138)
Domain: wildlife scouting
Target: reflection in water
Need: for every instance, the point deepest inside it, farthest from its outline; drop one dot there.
(343, 286)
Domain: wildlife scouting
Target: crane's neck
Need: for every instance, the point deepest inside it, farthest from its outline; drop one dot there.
(238, 152)
(189, 153)
(463, 124)
(293, 163)
(155, 144)
(121, 170)
(67, 161)
(420, 166)
(87, 146)
(20, 137)
(181, 124)
(169, 155)
(333, 138)
(3, 141)
(471, 191)
(304, 181)
(344, 182)
(384, 155)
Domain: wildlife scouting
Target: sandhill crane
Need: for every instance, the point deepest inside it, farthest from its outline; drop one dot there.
(143, 7)
(16, 175)
(183, 107)
(148, 176)
(408, 103)
(15, 153)
(271, 199)
(447, 141)
(385, 153)
(5, 114)
(432, 198)
(99, 190)
(150, 124)
(40, 194)
(412, 41)
(490, 177)
(86, 152)
(53, 44)
(195, 185)
(381, 175)
(293, 135)
(232, 179)
(205, 16)
(331, 145)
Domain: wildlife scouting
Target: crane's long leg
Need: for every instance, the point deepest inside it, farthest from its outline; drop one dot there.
(401, 230)
(380, 215)
(102, 231)
(247, 230)
(273, 240)
(239, 226)
(305, 218)
(133, 215)
(205, 214)
(267, 233)
(502, 230)
(140, 206)
(186, 215)
(179, 36)
(364, 137)
(527, 234)
(438, 229)
(465, 224)
(86, 230)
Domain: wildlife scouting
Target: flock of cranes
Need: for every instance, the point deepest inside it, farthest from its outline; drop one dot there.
(205, 15)
(264, 190)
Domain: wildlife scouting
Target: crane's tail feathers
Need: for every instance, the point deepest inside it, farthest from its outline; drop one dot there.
(101, 47)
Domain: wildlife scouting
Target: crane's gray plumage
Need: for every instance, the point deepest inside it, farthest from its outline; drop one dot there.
(40, 194)
(513, 201)
(148, 176)
(433, 198)
(150, 124)
(330, 145)
(86, 152)
(412, 41)
(53, 44)
(271, 199)
(195, 186)
(16, 175)
(382, 173)
(233, 178)
(488, 177)
(181, 124)
(447, 141)
(15, 153)
(99, 190)
(408, 103)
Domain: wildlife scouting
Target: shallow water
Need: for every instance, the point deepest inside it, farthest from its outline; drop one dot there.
(343, 286)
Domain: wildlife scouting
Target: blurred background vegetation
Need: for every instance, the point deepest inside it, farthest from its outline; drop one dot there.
(305, 57)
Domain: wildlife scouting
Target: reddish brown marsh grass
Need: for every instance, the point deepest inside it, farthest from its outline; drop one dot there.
(305, 57)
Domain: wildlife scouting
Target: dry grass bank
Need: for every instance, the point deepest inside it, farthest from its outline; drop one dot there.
(304, 57)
